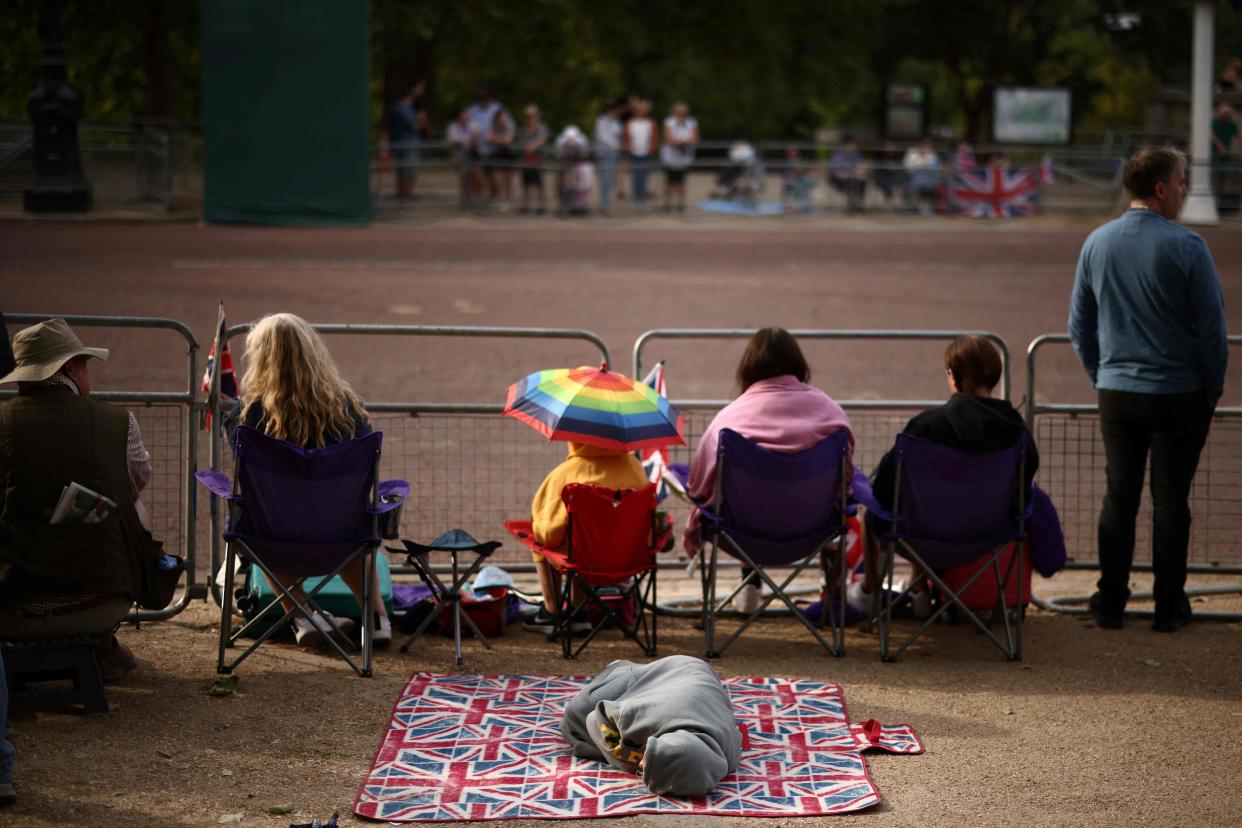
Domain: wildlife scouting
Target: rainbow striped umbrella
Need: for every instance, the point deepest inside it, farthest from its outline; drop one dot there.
(597, 407)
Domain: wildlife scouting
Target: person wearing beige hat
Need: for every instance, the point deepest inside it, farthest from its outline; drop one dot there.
(68, 578)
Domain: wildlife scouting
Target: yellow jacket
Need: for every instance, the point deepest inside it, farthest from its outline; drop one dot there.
(585, 464)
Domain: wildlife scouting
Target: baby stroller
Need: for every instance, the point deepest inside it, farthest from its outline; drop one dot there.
(576, 175)
(742, 179)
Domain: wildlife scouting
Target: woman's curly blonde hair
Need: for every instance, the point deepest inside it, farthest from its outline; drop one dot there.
(291, 376)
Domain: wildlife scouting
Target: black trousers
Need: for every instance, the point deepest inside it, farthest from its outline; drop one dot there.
(1173, 429)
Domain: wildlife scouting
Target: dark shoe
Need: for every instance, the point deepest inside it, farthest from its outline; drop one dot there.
(1167, 621)
(543, 622)
(7, 795)
(114, 658)
(1107, 615)
(540, 622)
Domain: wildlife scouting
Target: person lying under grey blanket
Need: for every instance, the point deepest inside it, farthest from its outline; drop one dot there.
(670, 721)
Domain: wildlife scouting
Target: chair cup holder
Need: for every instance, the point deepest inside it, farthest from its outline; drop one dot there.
(390, 523)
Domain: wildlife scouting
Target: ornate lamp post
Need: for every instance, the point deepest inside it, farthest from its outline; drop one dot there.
(55, 107)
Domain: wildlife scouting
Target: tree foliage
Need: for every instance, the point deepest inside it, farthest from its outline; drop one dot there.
(748, 68)
(129, 58)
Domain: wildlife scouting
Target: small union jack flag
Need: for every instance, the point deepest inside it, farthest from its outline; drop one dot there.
(228, 379)
(996, 192)
(654, 460)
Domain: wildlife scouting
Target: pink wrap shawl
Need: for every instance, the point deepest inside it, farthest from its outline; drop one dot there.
(780, 414)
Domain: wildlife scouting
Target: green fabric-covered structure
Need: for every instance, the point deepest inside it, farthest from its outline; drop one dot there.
(286, 112)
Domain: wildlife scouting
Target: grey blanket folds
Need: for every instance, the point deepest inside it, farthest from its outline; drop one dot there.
(673, 716)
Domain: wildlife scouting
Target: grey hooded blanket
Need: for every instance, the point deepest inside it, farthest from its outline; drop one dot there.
(673, 716)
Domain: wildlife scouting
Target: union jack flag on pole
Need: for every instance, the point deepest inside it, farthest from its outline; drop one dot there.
(653, 459)
(227, 388)
(996, 192)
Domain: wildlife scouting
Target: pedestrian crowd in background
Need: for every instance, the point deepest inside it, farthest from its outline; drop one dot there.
(574, 171)
(612, 161)
(488, 146)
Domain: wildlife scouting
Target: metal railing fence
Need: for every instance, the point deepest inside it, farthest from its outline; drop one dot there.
(1072, 471)
(168, 421)
(640, 345)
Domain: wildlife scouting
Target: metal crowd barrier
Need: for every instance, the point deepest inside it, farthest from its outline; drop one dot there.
(468, 467)
(1072, 471)
(640, 345)
(168, 422)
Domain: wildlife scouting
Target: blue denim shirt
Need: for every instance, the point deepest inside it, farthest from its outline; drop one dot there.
(1147, 314)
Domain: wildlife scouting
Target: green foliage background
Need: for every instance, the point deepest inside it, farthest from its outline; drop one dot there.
(763, 69)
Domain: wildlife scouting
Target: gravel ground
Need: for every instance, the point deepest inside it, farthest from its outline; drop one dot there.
(1118, 728)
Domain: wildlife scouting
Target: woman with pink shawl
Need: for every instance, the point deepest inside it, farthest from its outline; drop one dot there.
(777, 410)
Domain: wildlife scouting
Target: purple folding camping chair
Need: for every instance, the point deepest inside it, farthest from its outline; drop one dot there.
(775, 510)
(952, 508)
(302, 513)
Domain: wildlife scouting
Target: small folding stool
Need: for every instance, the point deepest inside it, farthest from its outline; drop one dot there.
(29, 663)
(455, 542)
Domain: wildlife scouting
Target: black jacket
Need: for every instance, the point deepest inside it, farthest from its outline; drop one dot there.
(968, 422)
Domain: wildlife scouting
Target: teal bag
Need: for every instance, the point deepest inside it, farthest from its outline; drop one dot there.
(335, 598)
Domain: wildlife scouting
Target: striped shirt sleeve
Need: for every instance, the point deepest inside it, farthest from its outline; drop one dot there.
(137, 457)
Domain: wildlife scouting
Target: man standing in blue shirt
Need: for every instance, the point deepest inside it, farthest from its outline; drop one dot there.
(1147, 319)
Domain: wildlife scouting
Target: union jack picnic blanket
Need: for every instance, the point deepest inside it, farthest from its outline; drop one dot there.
(996, 192)
(489, 747)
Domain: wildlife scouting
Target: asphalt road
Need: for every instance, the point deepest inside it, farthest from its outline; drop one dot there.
(617, 279)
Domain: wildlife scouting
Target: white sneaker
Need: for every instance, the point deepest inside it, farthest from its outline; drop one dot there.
(309, 634)
(860, 599)
(381, 633)
(305, 633)
(747, 599)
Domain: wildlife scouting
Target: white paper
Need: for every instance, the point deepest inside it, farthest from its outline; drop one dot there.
(79, 504)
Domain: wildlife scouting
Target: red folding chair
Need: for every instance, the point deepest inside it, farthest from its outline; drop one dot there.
(611, 555)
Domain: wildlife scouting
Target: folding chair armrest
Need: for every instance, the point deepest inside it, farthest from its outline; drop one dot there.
(558, 560)
(861, 494)
(393, 493)
(217, 482)
(525, 535)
